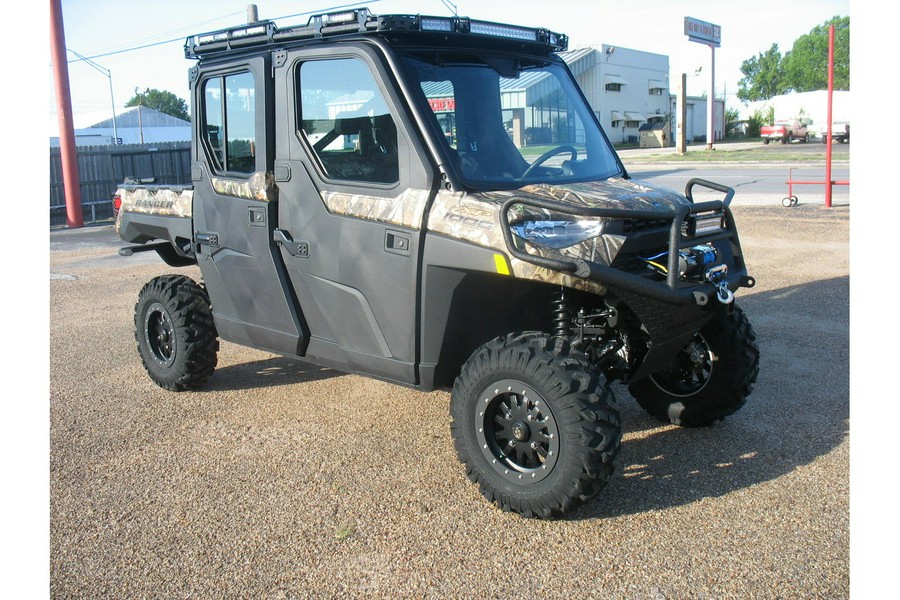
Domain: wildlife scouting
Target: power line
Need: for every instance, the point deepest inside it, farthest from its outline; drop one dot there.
(324, 10)
(181, 39)
(167, 33)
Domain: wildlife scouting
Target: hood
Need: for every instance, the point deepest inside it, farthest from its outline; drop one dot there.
(475, 217)
(615, 193)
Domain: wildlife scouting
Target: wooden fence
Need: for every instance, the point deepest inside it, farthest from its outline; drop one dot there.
(102, 169)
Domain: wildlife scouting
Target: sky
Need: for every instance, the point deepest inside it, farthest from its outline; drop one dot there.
(141, 42)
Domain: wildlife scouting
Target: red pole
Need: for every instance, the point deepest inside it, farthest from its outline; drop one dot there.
(71, 182)
(828, 134)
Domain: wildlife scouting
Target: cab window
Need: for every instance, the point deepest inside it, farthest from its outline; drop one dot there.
(229, 123)
(346, 121)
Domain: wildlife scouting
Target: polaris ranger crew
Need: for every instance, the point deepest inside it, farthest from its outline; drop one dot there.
(431, 201)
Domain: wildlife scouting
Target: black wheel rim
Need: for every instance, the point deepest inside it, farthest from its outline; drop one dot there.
(516, 431)
(691, 372)
(159, 331)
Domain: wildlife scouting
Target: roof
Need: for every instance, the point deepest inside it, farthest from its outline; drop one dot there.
(580, 59)
(142, 117)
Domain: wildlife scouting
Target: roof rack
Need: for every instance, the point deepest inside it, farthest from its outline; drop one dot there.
(266, 33)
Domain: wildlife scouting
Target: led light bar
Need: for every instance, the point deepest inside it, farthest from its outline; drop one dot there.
(705, 224)
(435, 24)
(503, 31)
(339, 18)
(257, 30)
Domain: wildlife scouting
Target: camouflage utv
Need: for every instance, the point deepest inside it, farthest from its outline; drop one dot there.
(432, 202)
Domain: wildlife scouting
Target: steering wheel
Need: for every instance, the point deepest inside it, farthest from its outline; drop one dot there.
(547, 156)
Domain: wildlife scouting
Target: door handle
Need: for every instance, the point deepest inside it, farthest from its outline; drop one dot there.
(396, 242)
(298, 249)
(207, 239)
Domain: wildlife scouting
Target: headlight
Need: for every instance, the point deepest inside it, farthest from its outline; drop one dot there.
(557, 234)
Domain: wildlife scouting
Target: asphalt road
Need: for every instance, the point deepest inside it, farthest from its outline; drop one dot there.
(282, 480)
(758, 183)
(754, 185)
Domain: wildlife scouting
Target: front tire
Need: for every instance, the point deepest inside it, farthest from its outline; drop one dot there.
(175, 333)
(709, 379)
(533, 425)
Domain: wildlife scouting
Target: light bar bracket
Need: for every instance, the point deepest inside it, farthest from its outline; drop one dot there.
(356, 21)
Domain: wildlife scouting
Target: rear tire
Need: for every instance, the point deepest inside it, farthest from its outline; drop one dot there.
(175, 333)
(533, 426)
(709, 379)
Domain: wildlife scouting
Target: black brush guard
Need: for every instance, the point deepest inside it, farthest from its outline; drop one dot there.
(672, 291)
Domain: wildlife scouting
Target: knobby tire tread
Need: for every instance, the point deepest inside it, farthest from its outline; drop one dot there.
(197, 338)
(579, 399)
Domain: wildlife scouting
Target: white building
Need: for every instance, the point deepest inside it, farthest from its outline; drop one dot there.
(134, 125)
(626, 88)
(696, 123)
(812, 105)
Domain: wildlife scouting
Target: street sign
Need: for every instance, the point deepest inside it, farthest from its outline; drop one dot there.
(702, 32)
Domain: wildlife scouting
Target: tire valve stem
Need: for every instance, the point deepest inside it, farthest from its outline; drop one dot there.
(562, 316)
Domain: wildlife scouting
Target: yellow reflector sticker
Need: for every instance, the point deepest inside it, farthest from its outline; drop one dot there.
(500, 262)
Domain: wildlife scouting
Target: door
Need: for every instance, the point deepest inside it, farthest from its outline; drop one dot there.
(353, 187)
(235, 209)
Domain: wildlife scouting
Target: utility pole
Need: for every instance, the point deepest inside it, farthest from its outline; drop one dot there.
(829, 116)
(140, 123)
(711, 100)
(71, 181)
(108, 74)
(252, 14)
(681, 117)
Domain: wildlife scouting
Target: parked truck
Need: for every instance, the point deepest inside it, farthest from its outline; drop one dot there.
(786, 131)
(359, 203)
(840, 131)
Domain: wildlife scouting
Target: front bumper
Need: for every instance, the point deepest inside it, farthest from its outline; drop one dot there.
(673, 290)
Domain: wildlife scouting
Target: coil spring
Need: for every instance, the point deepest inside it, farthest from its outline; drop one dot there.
(562, 315)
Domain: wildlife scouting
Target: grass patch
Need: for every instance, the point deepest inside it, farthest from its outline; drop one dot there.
(762, 154)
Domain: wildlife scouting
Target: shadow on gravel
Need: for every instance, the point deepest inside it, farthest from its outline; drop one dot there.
(798, 412)
(271, 372)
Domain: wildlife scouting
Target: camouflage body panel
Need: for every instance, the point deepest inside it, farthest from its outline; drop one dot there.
(405, 210)
(260, 186)
(155, 201)
(475, 218)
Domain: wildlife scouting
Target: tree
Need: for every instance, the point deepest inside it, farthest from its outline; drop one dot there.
(806, 65)
(763, 76)
(732, 120)
(759, 118)
(803, 69)
(165, 102)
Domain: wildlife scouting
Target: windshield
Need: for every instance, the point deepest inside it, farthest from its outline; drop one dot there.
(509, 122)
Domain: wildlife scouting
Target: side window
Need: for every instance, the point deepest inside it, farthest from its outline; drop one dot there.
(346, 121)
(230, 122)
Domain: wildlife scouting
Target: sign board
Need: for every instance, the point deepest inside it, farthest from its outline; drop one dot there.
(442, 104)
(702, 32)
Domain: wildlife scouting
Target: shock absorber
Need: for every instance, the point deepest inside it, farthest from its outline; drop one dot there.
(562, 315)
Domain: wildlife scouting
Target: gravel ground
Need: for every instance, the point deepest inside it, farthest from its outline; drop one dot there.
(284, 480)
